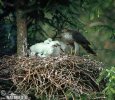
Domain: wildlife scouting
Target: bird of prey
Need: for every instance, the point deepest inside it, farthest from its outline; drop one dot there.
(74, 38)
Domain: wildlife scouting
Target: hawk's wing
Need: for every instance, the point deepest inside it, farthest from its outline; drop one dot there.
(79, 38)
(88, 49)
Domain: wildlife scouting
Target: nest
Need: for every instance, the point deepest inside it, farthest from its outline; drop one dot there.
(55, 76)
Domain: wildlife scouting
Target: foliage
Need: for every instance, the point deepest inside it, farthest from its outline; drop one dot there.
(110, 86)
(8, 37)
(109, 76)
(46, 18)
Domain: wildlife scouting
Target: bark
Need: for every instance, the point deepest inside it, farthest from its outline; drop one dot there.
(21, 33)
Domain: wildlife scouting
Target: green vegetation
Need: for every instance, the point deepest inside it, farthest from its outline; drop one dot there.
(42, 19)
(95, 19)
(109, 76)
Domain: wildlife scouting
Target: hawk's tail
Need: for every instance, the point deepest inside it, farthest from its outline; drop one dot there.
(89, 49)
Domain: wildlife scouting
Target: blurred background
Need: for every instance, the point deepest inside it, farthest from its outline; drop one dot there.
(95, 19)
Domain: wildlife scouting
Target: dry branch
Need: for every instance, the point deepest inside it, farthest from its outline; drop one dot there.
(54, 76)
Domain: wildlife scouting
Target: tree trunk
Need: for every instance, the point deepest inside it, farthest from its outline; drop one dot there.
(21, 33)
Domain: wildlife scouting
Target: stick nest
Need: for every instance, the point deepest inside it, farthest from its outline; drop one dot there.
(54, 76)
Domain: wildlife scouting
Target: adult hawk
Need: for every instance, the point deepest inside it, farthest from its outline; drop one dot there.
(74, 38)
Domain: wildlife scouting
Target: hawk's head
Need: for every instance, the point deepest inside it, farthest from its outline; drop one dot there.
(67, 36)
